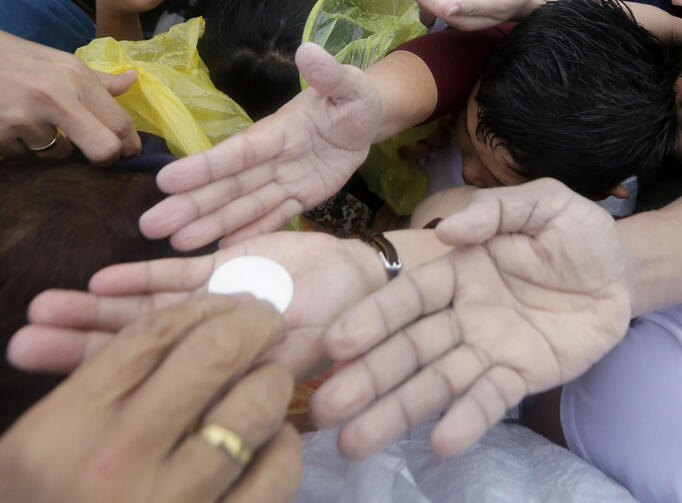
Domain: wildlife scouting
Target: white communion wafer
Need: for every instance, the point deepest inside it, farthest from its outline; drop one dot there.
(261, 277)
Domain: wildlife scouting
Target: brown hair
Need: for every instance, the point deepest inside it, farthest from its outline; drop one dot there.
(60, 222)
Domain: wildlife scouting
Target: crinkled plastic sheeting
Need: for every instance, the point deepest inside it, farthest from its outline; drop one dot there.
(359, 33)
(173, 97)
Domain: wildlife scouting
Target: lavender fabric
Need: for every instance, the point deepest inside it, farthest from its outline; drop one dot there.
(624, 415)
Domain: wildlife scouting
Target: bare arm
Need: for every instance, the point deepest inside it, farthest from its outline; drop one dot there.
(654, 246)
(665, 26)
(407, 90)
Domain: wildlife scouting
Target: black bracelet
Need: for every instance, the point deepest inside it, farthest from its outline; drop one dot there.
(386, 251)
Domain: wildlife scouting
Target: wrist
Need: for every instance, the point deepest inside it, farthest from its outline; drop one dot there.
(367, 260)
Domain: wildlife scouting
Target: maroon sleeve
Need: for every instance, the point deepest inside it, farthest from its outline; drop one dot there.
(456, 60)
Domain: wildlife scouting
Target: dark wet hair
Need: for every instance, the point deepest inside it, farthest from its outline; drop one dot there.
(249, 48)
(580, 92)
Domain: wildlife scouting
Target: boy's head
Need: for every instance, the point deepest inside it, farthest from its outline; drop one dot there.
(249, 48)
(579, 92)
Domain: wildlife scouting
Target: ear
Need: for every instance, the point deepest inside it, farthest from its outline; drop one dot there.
(618, 191)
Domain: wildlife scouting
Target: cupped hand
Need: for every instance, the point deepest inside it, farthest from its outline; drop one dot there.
(535, 292)
(473, 15)
(44, 89)
(121, 427)
(329, 275)
(292, 160)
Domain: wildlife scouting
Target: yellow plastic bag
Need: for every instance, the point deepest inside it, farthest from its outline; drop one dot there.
(173, 97)
(359, 33)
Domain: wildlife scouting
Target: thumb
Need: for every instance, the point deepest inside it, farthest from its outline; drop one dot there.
(119, 83)
(526, 209)
(327, 76)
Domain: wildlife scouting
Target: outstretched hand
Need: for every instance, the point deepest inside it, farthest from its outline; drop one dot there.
(287, 162)
(536, 291)
(473, 15)
(329, 275)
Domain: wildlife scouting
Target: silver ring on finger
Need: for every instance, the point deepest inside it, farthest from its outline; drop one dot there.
(57, 134)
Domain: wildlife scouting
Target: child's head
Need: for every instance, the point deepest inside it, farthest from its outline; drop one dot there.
(249, 48)
(579, 92)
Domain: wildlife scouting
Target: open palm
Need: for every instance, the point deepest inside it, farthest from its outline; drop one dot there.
(329, 275)
(292, 160)
(536, 292)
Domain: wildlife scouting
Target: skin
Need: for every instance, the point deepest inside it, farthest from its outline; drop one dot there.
(114, 431)
(482, 165)
(120, 19)
(68, 327)
(45, 89)
(514, 309)
(553, 302)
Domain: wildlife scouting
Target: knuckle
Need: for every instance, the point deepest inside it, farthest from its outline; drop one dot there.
(106, 151)
(75, 68)
(278, 383)
(121, 125)
(44, 91)
(16, 121)
(261, 413)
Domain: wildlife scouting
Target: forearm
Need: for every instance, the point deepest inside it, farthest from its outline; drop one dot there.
(121, 25)
(407, 90)
(654, 244)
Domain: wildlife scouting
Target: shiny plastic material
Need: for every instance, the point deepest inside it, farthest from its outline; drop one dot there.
(173, 97)
(359, 33)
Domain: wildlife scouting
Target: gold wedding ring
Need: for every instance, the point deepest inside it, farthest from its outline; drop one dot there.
(57, 134)
(226, 440)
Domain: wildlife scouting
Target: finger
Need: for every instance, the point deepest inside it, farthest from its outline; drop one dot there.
(481, 407)
(81, 310)
(101, 103)
(526, 208)
(182, 209)
(38, 136)
(257, 144)
(220, 346)
(254, 410)
(37, 348)
(223, 221)
(376, 373)
(419, 292)
(163, 275)
(426, 394)
(274, 475)
(117, 84)
(97, 142)
(270, 222)
(326, 75)
(140, 347)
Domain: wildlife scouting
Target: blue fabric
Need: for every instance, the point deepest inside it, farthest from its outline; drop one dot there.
(57, 23)
(154, 156)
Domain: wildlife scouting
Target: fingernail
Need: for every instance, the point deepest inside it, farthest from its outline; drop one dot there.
(454, 9)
